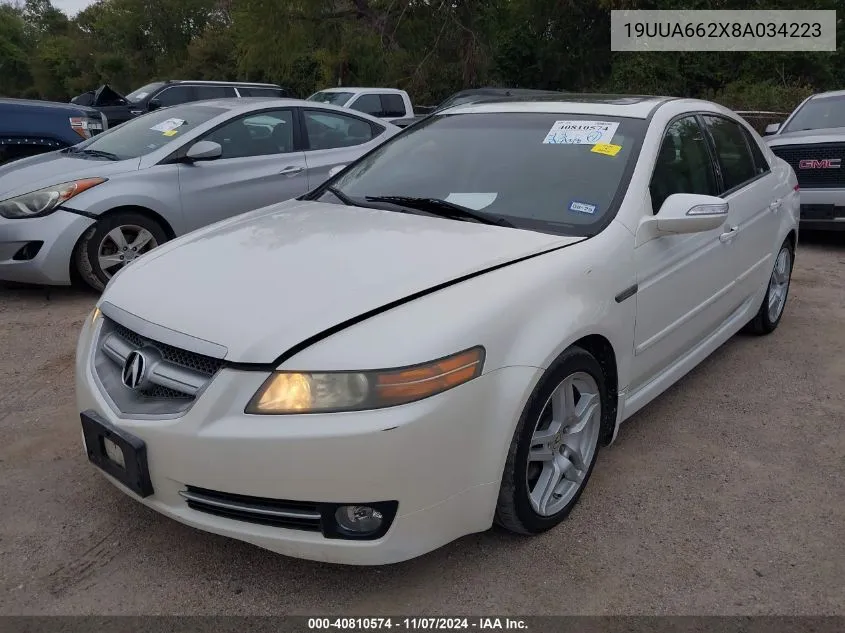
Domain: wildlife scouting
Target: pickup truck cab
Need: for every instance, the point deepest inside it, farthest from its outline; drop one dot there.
(812, 141)
(29, 127)
(389, 104)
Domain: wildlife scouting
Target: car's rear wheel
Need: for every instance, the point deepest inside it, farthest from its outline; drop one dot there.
(115, 241)
(555, 445)
(771, 310)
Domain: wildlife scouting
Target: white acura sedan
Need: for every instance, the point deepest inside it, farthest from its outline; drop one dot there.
(443, 335)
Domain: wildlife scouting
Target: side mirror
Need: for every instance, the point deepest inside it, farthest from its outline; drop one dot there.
(334, 171)
(683, 213)
(772, 128)
(154, 104)
(204, 150)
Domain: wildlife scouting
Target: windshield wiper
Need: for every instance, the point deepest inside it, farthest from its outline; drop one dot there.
(337, 193)
(444, 209)
(96, 153)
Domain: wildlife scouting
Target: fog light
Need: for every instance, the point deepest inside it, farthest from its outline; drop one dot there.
(358, 519)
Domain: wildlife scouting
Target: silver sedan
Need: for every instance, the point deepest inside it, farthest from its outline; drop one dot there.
(87, 211)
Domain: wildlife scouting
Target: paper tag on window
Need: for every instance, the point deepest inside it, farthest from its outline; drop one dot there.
(169, 124)
(606, 148)
(581, 132)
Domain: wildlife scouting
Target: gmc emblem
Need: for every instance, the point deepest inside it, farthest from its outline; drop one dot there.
(827, 163)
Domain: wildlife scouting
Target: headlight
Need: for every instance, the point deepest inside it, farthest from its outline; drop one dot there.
(45, 201)
(297, 392)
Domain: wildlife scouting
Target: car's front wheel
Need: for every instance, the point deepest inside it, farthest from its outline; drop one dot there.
(555, 445)
(115, 241)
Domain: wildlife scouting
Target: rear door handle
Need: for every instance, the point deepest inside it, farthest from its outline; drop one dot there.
(291, 170)
(727, 237)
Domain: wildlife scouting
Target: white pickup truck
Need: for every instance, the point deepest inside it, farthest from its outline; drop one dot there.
(385, 103)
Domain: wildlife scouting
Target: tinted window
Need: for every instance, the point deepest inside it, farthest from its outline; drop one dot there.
(819, 113)
(175, 95)
(149, 132)
(328, 130)
(732, 151)
(335, 98)
(214, 92)
(369, 104)
(761, 165)
(392, 105)
(261, 92)
(256, 135)
(683, 164)
(561, 188)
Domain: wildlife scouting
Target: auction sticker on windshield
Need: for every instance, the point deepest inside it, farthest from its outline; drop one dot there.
(169, 124)
(582, 207)
(581, 132)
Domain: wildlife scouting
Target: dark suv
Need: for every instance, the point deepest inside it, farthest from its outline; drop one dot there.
(118, 108)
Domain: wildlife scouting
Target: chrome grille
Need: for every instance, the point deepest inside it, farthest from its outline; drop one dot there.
(170, 383)
(295, 515)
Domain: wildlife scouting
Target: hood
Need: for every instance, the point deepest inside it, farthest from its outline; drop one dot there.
(802, 137)
(29, 174)
(51, 108)
(105, 95)
(262, 283)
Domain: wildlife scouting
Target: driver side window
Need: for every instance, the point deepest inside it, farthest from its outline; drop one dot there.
(683, 164)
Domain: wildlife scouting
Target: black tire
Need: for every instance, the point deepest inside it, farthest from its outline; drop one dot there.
(86, 258)
(514, 511)
(762, 323)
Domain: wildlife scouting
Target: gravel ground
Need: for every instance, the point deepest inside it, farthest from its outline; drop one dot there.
(724, 496)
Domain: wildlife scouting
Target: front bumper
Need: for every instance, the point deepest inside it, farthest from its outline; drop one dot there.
(823, 209)
(57, 233)
(441, 459)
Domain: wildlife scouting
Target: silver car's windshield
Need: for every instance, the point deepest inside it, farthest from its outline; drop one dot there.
(147, 133)
(819, 113)
(334, 98)
(560, 173)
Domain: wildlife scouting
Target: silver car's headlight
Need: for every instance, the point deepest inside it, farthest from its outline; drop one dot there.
(286, 392)
(44, 201)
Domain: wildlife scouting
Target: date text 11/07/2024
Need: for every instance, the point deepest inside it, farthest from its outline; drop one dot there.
(417, 623)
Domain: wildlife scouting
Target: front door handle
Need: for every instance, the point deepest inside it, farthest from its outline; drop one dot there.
(775, 206)
(727, 237)
(291, 170)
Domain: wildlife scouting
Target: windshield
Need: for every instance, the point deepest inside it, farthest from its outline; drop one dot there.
(334, 98)
(819, 113)
(141, 93)
(147, 133)
(536, 170)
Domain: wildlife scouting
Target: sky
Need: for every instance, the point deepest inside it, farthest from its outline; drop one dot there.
(71, 7)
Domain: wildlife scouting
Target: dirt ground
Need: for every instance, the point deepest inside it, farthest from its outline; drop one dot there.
(724, 496)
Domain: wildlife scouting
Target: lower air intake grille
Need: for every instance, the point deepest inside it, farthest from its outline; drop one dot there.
(294, 515)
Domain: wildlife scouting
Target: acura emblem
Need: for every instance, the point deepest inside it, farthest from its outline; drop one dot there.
(825, 163)
(133, 370)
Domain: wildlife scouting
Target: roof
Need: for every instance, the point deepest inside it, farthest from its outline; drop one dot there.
(832, 93)
(634, 106)
(360, 89)
(220, 83)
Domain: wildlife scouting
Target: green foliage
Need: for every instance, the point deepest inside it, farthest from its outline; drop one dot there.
(432, 48)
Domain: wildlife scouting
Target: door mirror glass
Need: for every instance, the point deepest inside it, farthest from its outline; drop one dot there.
(334, 171)
(154, 104)
(772, 128)
(204, 150)
(691, 213)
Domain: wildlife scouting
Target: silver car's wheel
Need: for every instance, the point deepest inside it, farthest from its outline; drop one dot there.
(123, 245)
(777, 291)
(114, 242)
(565, 438)
(779, 284)
(555, 443)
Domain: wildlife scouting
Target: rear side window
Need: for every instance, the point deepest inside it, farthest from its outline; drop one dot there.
(392, 105)
(732, 150)
(331, 130)
(214, 92)
(368, 104)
